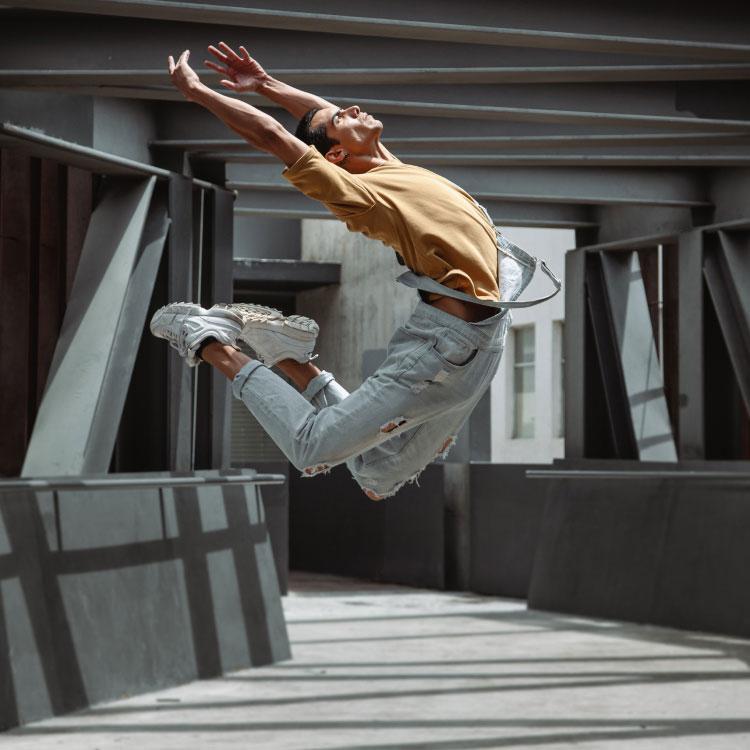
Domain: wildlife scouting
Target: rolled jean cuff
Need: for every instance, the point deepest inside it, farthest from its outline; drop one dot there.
(238, 382)
(316, 385)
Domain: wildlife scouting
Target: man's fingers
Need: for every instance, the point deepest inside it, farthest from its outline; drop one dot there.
(230, 52)
(170, 63)
(218, 54)
(218, 68)
(184, 57)
(245, 54)
(228, 84)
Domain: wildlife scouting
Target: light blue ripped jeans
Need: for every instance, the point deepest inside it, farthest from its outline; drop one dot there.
(407, 413)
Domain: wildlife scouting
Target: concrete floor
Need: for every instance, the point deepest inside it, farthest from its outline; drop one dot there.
(384, 667)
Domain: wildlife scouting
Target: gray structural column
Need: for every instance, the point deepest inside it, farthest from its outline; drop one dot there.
(690, 368)
(574, 353)
(181, 378)
(642, 376)
(222, 259)
(77, 422)
(213, 431)
(727, 273)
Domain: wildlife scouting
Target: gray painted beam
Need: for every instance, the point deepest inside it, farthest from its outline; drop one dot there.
(284, 274)
(206, 13)
(540, 114)
(76, 404)
(631, 243)
(727, 273)
(283, 200)
(25, 78)
(131, 326)
(181, 379)
(738, 156)
(582, 160)
(221, 290)
(57, 149)
(640, 363)
(92, 43)
(574, 354)
(605, 343)
(691, 437)
(475, 143)
(556, 114)
(616, 222)
(74, 154)
(607, 185)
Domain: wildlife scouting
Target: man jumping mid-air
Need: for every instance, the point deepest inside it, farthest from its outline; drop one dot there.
(438, 365)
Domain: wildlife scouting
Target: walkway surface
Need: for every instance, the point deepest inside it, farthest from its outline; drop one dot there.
(384, 667)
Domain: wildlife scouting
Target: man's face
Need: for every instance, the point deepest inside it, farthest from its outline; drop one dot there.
(354, 129)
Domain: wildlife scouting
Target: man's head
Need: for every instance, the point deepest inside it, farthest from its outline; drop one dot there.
(341, 135)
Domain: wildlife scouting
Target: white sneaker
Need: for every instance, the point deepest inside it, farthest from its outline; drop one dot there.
(187, 325)
(273, 336)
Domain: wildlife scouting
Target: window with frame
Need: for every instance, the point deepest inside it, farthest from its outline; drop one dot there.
(523, 382)
(558, 380)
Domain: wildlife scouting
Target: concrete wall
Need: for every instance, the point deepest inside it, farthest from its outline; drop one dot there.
(334, 528)
(263, 237)
(120, 592)
(669, 553)
(655, 551)
(363, 312)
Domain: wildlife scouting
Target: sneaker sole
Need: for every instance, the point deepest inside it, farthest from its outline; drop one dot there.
(193, 308)
(258, 316)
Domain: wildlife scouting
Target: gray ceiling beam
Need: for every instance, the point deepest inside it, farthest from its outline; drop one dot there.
(558, 116)
(458, 111)
(283, 275)
(275, 200)
(736, 159)
(206, 13)
(603, 186)
(659, 238)
(398, 76)
(626, 102)
(457, 143)
(81, 43)
(187, 122)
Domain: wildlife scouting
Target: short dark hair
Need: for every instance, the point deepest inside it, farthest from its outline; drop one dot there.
(314, 136)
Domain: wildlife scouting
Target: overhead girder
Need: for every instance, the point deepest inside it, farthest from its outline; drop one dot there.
(657, 158)
(184, 121)
(626, 103)
(494, 143)
(705, 41)
(397, 76)
(458, 111)
(277, 201)
(607, 185)
(58, 41)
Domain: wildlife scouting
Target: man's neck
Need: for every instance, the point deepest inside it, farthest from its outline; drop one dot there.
(361, 163)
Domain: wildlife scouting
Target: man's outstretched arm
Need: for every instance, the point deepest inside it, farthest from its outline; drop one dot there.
(256, 127)
(243, 74)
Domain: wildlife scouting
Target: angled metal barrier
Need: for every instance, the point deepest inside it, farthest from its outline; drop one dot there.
(128, 481)
(736, 476)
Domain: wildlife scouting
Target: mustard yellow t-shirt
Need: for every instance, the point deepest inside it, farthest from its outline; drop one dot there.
(435, 226)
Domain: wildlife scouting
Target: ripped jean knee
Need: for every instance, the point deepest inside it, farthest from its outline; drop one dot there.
(380, 485)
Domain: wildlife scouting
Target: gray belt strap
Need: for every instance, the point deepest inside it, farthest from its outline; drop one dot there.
(426, 284)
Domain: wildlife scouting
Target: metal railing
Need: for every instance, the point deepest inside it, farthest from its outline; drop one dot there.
(125, 482)
(734, 476)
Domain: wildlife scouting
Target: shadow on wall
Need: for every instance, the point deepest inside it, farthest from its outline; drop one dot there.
(110, 593)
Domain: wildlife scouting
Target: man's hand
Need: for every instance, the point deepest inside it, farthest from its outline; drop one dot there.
(183, 76)
(242, 73)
